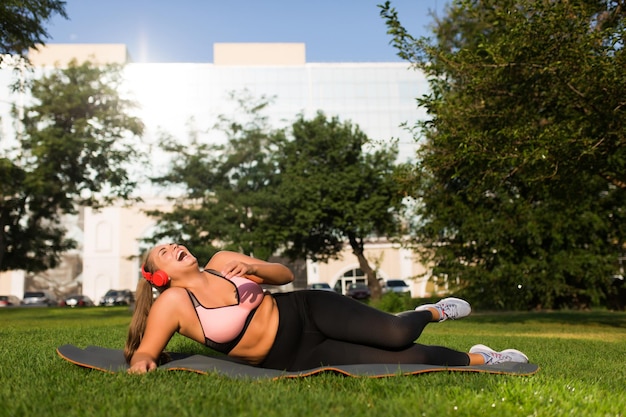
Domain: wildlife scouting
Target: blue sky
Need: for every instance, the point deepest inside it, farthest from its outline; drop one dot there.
(185, 30)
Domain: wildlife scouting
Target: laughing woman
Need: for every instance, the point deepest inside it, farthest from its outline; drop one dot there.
(223, 306)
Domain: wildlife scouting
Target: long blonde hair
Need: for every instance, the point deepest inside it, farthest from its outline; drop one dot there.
(143, 303)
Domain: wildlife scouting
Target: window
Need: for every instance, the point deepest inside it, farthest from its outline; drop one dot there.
(352, 276)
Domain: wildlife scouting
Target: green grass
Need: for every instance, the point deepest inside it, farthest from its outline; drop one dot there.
(582, 357)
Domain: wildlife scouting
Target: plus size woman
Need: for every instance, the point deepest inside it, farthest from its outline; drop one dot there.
(223, 306)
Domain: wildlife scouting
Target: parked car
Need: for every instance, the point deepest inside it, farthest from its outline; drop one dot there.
(319, 286)
(39, 298)
(9, 301)
(117, 298)
(77, 300)
(358, 291)
(396, 285)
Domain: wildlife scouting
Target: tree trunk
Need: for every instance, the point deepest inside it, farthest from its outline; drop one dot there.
(372, 280)
(3, 244)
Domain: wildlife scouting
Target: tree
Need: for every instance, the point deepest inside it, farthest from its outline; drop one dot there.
(300, 194)
(331, 190)
(224, 188)
(21, 24)
(74, 150)
(521, 179)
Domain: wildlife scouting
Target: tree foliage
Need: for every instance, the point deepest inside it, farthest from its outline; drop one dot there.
(522, 178)
(331, 190)
(74, 150)
(301, 193)
(22, 24)
(223, 188)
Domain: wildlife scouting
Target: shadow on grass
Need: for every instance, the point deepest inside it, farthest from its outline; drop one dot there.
(602, 318)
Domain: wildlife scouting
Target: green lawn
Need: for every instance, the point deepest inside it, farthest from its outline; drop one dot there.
(582, 357)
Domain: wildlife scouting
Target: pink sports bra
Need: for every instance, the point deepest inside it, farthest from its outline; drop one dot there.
(224, 326)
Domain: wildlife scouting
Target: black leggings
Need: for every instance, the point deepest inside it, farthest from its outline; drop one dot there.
(319, 328)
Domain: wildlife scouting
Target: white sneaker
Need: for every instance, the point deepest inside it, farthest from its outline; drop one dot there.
(449, 308)
(492, 357)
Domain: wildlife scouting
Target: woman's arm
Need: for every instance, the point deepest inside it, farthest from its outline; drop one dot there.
(232, 264)
(161, 325)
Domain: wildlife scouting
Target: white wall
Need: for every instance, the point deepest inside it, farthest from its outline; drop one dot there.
(112, 246)
(389, 260)
(12, 283)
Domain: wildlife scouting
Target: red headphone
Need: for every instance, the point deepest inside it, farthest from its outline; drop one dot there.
(159, 278)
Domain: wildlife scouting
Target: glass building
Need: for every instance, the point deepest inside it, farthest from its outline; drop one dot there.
(176, 98)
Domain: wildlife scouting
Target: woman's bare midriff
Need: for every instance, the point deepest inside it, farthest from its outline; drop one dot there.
(260, 334)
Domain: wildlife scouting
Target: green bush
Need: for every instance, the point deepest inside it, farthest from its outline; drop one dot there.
(395, 302)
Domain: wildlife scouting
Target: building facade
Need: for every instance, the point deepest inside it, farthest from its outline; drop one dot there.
(176, 98)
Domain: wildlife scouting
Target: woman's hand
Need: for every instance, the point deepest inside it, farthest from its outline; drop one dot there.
(142, 366)
(237, 269)
(232, 264)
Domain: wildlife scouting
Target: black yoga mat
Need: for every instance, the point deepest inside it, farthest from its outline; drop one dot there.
(112, 360)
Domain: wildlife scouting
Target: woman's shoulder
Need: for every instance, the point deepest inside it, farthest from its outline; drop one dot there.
(172, 296)
(225, 255)
(170, 304)
(221, 258)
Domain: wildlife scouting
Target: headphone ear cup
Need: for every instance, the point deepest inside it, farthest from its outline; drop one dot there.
(160, 278)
